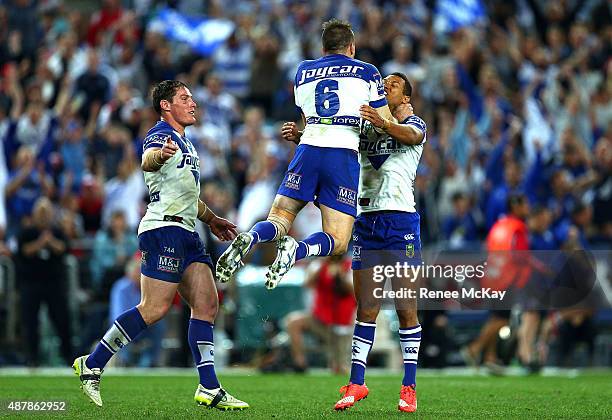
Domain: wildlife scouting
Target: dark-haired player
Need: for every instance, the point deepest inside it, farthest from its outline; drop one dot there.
(325, 169)
(388, 224)
(173, 256)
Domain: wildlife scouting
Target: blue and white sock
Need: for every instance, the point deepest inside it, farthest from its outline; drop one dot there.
(126, 328)
(200, 336)
(363, 339)
(264, 231)
(317, 244)
(410, 341)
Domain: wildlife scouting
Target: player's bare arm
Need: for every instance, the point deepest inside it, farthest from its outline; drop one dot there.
(405, 134)
(154, 158)
(220, 227)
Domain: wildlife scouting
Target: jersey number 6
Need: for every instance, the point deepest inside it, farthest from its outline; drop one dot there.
(324, 93)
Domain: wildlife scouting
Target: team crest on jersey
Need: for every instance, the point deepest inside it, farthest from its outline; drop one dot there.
(168, 264)
(347, 196)
(293, 180)
(410, 250)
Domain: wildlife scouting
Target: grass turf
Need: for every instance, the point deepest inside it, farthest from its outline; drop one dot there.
(295, 396)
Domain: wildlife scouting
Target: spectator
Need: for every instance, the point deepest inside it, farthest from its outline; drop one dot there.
(26, 184)
(42, 248)
(460, 228)
(331, 317)
(401, 61)
(218, 105)
(92, 85)
(232, 63)
(124, 193)
(111, 250)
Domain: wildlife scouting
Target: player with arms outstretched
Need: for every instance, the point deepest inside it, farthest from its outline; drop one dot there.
(325, 169)
(173, 256)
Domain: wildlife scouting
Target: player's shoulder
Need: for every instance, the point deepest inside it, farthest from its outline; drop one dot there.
(368, 66)
(157, 135)
(417, 122)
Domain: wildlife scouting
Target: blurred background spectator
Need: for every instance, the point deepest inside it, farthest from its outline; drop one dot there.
(331, 317)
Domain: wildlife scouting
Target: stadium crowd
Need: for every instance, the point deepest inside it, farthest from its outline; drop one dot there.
(520, 102)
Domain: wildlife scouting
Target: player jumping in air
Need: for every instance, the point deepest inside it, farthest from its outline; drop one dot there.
(388, 223)
(173, 256)
(325, 169)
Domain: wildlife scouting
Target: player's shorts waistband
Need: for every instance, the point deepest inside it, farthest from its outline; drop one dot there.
(384, 212)
(346, 120)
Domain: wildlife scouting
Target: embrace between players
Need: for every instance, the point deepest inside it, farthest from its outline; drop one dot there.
(341, 99)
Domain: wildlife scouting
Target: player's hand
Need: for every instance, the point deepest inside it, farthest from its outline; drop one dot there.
(370, 114)
(223, 229)
(290, 132)
(405, 108)
(169, 149)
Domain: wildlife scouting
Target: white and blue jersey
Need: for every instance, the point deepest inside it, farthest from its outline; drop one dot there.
(167, 236)
(329, 91)
(388, 220)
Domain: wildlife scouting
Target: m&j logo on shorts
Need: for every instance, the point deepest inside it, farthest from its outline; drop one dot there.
(168, 264)
(293, 181)
(347, 196)
(356, 253)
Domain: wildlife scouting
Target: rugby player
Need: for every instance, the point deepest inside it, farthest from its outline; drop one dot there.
(325, 168)
(173, 256)
(389, 224)
(387, 221)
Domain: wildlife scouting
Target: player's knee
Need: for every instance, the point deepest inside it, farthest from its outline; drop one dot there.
(153, 313)
(206, 308)
(340, 245)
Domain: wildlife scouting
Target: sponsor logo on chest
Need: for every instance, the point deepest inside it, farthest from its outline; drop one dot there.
(330, 71)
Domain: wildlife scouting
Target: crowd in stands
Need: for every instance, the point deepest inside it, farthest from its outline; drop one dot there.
(518, 103)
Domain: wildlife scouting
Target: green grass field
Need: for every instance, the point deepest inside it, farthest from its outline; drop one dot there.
(294, 396)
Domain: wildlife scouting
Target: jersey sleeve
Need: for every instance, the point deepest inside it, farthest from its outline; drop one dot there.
(377, 89)
(296, 84)
(154, 140)
(419, 124)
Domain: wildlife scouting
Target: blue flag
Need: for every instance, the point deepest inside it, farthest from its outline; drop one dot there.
(451, 15)
(202, 34)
